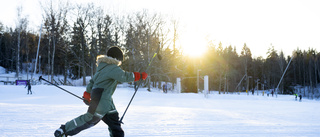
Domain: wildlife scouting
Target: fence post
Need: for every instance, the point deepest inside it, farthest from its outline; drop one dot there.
(179, 85)
(206, 85)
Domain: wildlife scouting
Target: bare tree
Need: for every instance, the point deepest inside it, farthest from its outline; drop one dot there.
(21, 25)
(282, 65)
(175, 24)
(56, 26)
(84, 15)
(246, 54)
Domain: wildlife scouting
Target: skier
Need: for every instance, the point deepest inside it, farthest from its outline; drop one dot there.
(29, 87)
(300, 97)
(164, 88)
(296, 95)
(98, 96)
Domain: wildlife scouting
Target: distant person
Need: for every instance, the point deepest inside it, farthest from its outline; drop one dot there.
(164, 88)
(29, 87)
(296, 95)
(272, 92)
(300, 97)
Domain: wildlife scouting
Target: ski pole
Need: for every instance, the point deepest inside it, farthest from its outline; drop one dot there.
(40, 78)
(140, 81)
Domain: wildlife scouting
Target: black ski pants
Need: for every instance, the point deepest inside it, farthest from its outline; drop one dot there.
(29, 90)
(112, 120)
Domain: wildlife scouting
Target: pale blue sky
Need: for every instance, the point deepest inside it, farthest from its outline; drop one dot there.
(287, 24)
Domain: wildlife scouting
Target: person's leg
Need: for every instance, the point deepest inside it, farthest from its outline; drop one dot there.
(88, 119)
(81, 123)
(112, 120)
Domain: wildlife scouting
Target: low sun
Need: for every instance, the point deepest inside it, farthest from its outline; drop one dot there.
(194, 50)
(193, 46)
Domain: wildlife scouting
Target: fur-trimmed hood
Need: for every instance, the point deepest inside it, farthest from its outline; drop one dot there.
(108, 60)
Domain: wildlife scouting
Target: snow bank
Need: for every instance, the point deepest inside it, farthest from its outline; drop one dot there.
(2, 70)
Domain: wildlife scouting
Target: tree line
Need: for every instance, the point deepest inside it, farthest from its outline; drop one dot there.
(233, 72)
(73, 35)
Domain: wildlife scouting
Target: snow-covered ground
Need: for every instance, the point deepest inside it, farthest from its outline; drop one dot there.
(158, 114)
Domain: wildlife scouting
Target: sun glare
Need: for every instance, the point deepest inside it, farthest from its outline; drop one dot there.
(193, 46)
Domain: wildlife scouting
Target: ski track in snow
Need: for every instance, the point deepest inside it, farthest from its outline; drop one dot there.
(158, 114)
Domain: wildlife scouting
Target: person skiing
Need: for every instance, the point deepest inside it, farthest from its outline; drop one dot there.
(29, 87)
(98, 96)
(296, 96)
(300, 98)
(164, 88)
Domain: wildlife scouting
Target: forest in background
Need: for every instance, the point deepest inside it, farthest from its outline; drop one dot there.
(73, 35)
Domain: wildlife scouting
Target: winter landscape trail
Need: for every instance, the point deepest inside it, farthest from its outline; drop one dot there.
(158, 114)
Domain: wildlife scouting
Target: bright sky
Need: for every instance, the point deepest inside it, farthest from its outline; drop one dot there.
(287, 24)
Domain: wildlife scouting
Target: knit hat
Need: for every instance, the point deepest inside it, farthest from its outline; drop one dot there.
(116, 53)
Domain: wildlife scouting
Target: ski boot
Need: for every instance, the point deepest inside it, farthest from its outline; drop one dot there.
(60, 132)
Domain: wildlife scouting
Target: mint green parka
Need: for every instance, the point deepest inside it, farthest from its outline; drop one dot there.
(107, 76)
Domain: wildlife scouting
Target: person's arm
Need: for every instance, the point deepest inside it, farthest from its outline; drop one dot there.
(123, 76)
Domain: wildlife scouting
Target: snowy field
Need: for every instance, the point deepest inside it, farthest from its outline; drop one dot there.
(158, 114)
